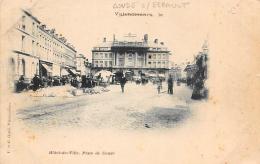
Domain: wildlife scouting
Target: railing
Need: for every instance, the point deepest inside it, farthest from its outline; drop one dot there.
(129, 44)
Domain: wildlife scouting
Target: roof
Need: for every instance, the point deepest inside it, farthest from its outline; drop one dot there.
(46, 30)
(131, 41)
(157, 45)
(80, 56)
(30, 15)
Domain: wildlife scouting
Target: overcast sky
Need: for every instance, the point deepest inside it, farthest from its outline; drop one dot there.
(85, 23)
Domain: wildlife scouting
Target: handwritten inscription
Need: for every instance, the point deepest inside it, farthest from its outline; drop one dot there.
(151, 5)
(146, 9)
(126, 5)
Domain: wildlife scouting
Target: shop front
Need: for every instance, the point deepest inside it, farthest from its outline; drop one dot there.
(45, 69)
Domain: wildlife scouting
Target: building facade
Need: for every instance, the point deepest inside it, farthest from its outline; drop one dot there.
(82, 64)
(38, 50)
(132, 56)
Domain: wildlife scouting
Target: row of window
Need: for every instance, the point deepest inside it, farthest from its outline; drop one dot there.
(103, 63)
(158, 63)
(48, 41)
(110, 63)
(44, 52)
(153, 48)
(47, 49)
(157, 56)
(150, 56)
(103, 55)
(102, 48)
(156, 49)
(109, 48)
(38, 46)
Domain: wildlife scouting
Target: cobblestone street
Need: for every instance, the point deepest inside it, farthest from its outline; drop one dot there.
(139, 107)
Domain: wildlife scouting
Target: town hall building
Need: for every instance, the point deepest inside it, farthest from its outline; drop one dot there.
(129, 54)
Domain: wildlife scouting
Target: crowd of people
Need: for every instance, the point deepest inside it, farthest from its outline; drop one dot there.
(88, 81)
(38, 82)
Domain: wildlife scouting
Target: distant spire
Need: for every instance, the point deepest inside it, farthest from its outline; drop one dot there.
(205, 44)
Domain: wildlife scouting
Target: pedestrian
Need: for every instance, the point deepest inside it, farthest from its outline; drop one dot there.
(44, 82)
(20, 86)
(63, 80)
(88, 83)
(36, 82)
(50, 81)
(78, 81)
(98, 79)
(113, 79)
(159, 85)
(170, 85)
(122, 83)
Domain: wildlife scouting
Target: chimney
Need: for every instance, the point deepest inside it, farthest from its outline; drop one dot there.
(104, 40)
(43, 26)
(52, 31)
(162, 43)
(156, 41)
(146, 38)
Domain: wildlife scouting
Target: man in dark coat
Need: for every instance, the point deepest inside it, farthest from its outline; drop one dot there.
(36, 82)
(170, 85)
(122, 83)
(20, 86)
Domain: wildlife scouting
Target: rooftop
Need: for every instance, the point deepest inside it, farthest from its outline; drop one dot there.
(50, 32)
(131, 40)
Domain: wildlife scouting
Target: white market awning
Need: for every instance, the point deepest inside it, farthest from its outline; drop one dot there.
(152, 75)
(104, 73)
(48, 68)
(161, 75)
(73, 71)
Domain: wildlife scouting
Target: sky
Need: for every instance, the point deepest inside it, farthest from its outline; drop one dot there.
(85, 23)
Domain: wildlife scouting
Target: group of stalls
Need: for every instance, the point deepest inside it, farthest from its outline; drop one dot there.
(50, 69)
(59, 75)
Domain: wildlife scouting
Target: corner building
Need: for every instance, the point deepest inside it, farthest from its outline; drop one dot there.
(38, 50)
